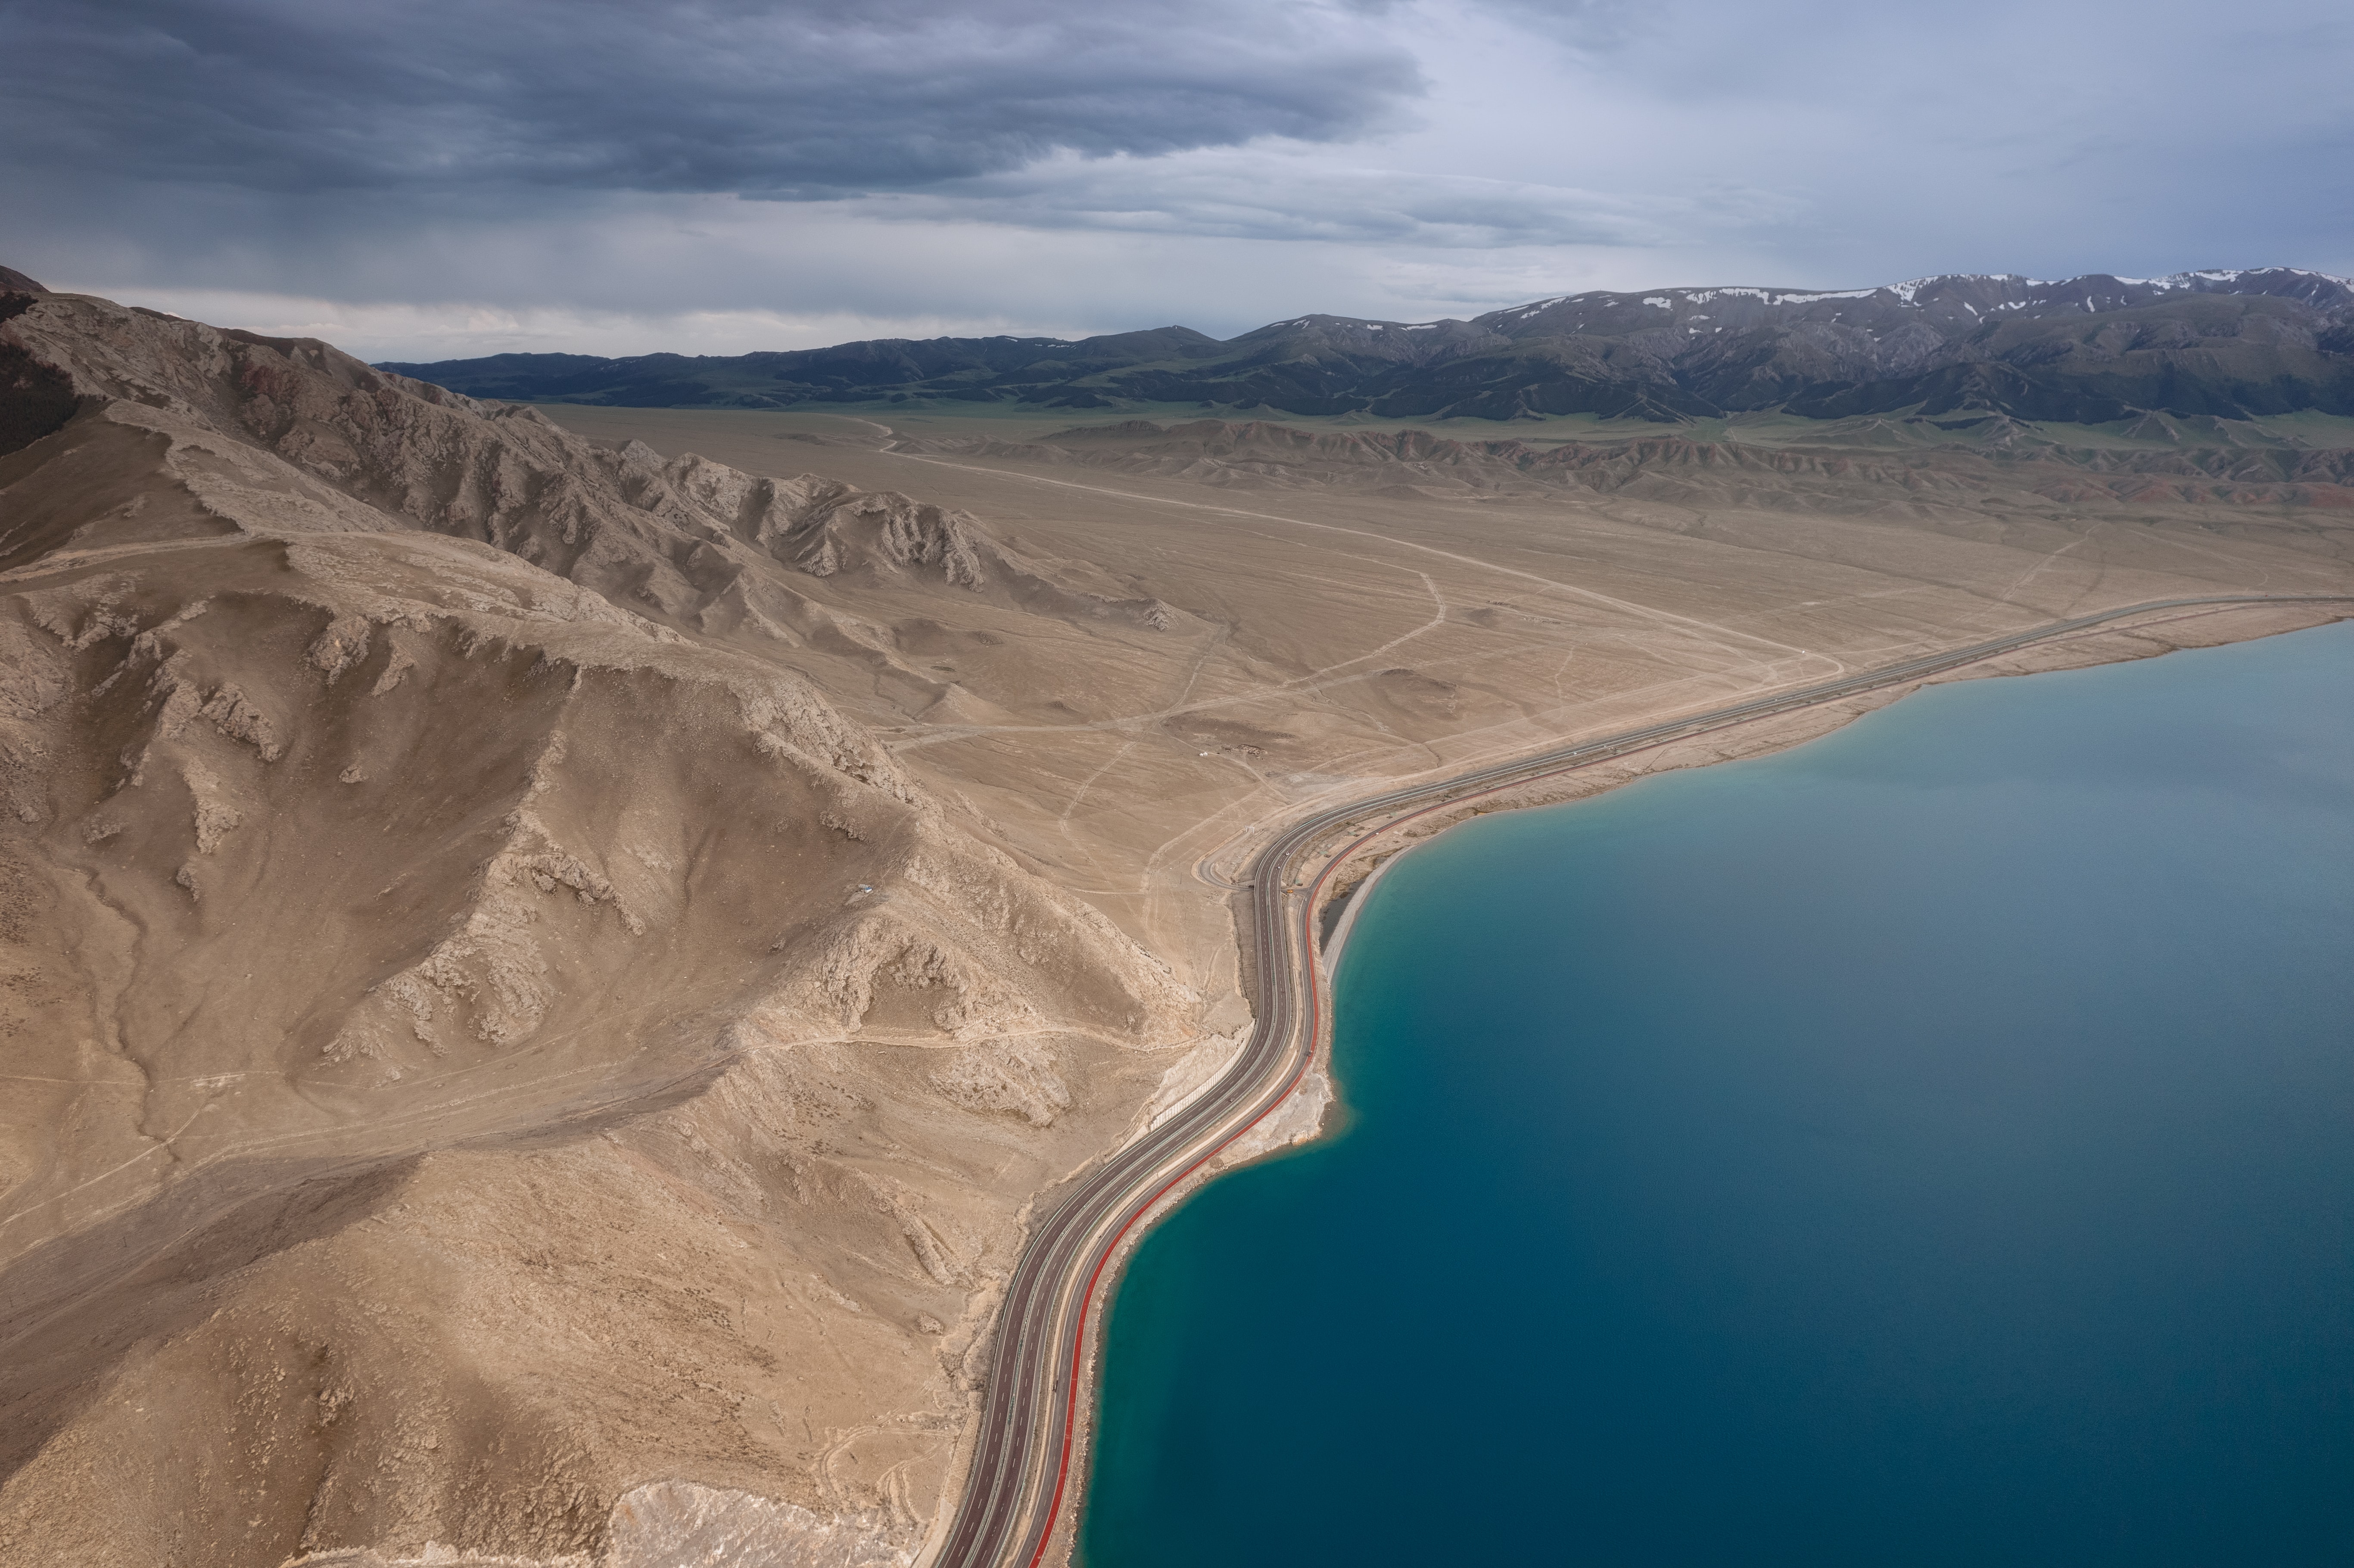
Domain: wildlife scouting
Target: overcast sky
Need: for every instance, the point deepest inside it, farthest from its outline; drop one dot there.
(434, 178)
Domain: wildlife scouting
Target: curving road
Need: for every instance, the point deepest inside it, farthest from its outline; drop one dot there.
(1021, 1471)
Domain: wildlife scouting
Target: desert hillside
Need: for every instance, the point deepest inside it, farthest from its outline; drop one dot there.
(549, 952)
(477, 1044)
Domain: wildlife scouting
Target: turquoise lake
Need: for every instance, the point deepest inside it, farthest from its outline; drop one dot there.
(1934, 1145)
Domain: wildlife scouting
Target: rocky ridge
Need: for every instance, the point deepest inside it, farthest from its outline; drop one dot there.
(472, 1009)
(2092, 349)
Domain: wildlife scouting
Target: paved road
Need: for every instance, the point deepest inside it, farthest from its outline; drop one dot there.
(1021, 1476)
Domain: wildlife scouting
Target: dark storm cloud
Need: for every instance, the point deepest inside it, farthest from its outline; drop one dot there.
(534, 174)
(780, 98)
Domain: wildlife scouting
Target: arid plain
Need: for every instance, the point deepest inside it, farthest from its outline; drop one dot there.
(551, 951)
(1372, 601)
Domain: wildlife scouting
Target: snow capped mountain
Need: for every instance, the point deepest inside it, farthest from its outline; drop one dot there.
(2228, 342)
(1948, 299)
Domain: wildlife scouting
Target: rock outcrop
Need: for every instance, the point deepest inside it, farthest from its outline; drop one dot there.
(487, 1033)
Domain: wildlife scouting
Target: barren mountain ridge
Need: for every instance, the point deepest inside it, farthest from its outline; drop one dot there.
(2228, 342)
(477, 1045)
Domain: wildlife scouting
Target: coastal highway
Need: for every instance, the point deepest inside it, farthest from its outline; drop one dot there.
(1021, 1476)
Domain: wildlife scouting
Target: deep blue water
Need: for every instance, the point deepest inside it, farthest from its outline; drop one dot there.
(1934, 1145)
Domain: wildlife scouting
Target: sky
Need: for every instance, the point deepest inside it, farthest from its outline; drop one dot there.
(441, 178)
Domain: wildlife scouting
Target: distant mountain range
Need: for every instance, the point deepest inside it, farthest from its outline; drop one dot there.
(2086, 350)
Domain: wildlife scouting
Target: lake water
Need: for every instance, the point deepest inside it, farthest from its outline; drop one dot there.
(1931, 1145)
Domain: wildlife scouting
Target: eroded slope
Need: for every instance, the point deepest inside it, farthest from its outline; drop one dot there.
(479, 1043)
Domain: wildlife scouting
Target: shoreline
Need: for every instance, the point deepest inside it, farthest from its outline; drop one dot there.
(1664, 895)
(1358, 893)
(1768, 724)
